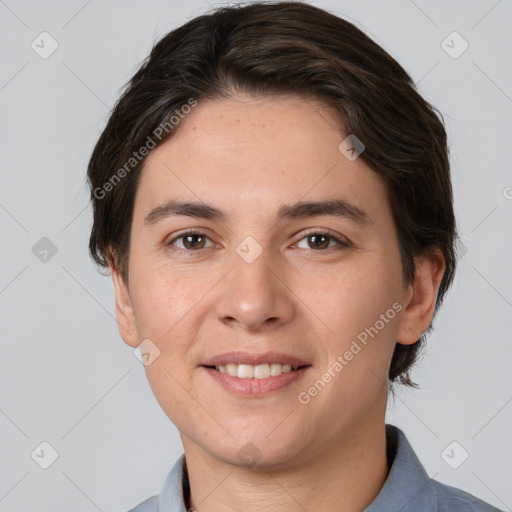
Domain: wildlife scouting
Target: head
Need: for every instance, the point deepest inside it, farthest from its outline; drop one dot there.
(246, 112)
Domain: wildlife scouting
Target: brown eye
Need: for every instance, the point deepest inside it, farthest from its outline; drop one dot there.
(320, 241)
(191, 241)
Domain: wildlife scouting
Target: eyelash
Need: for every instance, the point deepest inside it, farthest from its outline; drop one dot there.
(341, 243)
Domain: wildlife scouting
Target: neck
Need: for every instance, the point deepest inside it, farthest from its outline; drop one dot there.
(347, 475)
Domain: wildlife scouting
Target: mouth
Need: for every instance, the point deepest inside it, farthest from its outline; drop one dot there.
(250, 375)
(257, 371)
(259, 380)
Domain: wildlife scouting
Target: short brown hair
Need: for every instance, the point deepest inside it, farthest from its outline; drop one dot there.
(280, 48)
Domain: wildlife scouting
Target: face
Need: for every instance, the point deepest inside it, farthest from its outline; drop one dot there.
(257, 279)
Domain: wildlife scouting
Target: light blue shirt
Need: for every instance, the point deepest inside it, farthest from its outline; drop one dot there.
(407, 488)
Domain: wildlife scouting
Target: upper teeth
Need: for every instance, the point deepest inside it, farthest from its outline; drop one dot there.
(258, 371)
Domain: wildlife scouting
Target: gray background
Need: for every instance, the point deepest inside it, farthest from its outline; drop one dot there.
(68, 379)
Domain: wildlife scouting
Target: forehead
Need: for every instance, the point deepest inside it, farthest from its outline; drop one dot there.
(258, 153)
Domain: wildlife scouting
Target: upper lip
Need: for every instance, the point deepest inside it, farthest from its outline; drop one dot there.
(254, 359)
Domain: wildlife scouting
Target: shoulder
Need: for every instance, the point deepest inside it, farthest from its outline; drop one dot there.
(409, 487)
(171, 495)
(451, 499)
(149, 505)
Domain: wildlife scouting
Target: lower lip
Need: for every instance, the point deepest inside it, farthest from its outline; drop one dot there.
(256, 387)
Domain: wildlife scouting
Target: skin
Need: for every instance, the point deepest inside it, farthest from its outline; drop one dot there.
(248, 157)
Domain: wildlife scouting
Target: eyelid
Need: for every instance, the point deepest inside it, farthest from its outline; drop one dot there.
(322, 231)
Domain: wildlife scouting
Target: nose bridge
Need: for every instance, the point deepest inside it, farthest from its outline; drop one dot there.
(253, 291)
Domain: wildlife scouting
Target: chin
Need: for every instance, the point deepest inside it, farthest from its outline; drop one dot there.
(262, 449)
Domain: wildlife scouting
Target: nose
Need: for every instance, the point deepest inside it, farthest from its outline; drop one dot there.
(255, 296)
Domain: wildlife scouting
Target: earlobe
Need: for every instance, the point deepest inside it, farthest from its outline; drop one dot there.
(420, 297)
(124, 311)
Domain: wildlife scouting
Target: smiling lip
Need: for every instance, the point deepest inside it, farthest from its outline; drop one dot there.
(254, 359)
(253, 388)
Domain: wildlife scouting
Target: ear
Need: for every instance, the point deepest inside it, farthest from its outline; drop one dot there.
(420, 297)
(124, 311)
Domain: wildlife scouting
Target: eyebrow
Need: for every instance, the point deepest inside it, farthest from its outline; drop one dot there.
(335, 207)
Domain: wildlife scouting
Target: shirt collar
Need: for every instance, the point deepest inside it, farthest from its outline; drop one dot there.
(172, 495)
(407, 486)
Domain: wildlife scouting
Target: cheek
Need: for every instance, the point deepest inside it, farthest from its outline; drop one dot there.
(357, 306)
(169, 310)
(170, 389)
(161, 300)
(354, 298)
(164, 311)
